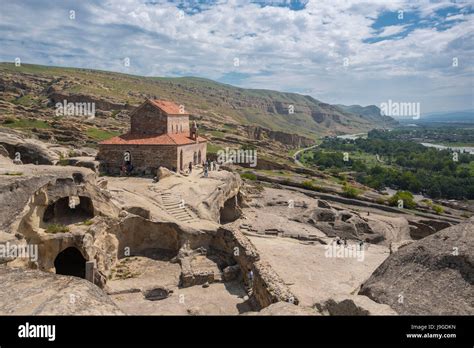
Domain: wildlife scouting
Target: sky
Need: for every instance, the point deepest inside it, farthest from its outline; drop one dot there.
(337, 51)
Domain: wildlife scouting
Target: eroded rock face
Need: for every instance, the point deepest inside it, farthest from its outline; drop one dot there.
(285, 308)
(44, 196)
(33, 292)
(29, 150)
(343, 223)
(432, 276)
(423, 228)
(25, 198)
(267, 286)
(353, 305)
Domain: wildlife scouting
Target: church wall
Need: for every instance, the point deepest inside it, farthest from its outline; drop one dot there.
(188, 153)
(178, 124)
(148, 120)
(146, 159)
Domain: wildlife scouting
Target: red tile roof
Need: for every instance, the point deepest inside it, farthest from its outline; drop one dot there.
(168, 107)
(141, 139)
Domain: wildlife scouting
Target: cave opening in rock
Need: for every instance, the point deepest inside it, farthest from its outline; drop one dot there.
(70, 262)
(69, 210)
(230, 211)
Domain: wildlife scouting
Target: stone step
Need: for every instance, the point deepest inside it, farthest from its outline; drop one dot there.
(175, 209)
(182, 216)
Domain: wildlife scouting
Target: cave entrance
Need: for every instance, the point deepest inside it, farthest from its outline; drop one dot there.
(70, 262)
(69, 210)
(230, 211)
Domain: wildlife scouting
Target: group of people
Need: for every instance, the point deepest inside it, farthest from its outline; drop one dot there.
(343, 241)
(209, 166)
(127, 168)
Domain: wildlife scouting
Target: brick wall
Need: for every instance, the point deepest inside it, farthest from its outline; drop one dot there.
(148, 120)
(146, 159)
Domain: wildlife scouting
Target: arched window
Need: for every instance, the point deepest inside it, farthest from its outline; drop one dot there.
(181, 128)
(199, 156)
(195, 158)
(172, 129)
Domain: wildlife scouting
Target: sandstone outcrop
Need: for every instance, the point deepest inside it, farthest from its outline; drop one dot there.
(340, 223)
(27, 150)
(431, 276)
(33, 292)
(285, 308)
(353, 305)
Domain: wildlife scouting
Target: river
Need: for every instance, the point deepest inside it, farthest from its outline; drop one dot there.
(454, 148)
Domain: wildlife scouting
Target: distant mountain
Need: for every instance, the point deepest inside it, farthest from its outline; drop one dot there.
(216, 103)
(465, 116)
(370, 113)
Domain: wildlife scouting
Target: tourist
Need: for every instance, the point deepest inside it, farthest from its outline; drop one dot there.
(205, 172)
(128, 167)
(345, 241)
(361, 245)
(250, 278)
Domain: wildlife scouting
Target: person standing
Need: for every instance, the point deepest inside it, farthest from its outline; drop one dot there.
(250, 278)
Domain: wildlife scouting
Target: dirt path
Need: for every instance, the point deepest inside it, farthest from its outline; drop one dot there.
(295, 155)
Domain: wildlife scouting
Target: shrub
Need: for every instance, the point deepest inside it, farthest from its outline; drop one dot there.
(405, 196)
(9, 120)
(57, 228)
(438, 209)
(308, 184)
(350, 191)
(248, 176)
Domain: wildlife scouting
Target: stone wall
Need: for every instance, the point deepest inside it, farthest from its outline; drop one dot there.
(268, 287)
(178, 124)
(146, 159)
(188, 153)
(148, 120)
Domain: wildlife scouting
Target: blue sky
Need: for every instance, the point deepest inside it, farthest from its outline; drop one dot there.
(338, 51)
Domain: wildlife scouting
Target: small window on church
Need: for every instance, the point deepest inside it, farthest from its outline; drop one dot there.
(181, 128)
(172, 129)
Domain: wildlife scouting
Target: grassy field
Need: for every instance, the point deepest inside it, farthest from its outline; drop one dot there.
(100, 135)
(26, 124)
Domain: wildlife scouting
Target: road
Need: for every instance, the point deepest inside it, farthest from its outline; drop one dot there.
(295, 155)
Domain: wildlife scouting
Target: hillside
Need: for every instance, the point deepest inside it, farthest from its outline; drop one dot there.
(371, 113)
(37, 86)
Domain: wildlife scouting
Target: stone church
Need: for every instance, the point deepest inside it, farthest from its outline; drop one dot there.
(160, 135)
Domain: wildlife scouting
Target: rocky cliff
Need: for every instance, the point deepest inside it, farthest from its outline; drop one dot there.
(432, 276)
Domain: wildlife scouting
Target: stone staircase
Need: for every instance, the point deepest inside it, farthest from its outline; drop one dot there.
(175, 206)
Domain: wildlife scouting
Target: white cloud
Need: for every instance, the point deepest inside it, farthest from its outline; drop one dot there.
(277, 48)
